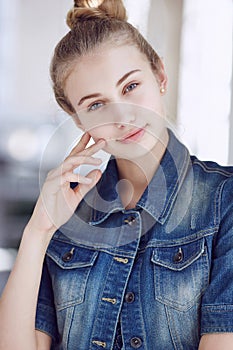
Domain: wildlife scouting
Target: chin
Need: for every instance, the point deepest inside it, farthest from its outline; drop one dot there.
(131, 151)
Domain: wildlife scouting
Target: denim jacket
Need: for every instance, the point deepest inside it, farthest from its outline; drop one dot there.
(162, 271)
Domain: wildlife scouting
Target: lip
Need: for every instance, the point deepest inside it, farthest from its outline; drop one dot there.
(132, 136)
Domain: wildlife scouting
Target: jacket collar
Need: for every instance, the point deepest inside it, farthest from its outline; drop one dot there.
(158, 198)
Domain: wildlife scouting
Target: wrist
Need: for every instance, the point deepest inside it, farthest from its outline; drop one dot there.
(42, 235)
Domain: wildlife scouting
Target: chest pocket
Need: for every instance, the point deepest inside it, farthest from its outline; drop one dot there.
(181, 274)
(69, 268)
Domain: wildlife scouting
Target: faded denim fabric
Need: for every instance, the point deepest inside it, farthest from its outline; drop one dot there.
(162, 272)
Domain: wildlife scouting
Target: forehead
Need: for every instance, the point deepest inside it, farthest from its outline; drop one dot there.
(108, 54)
(105, 63)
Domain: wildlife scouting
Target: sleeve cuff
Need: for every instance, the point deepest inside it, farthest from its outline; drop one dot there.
(217, 319)
(46, 322)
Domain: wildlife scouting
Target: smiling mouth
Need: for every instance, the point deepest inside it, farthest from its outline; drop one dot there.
(132, 136)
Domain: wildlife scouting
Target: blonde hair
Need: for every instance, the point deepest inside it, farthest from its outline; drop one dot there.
(93, 23)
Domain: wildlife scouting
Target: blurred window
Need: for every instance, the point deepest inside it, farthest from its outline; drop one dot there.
(205, 94)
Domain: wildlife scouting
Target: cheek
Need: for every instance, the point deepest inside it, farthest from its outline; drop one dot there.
(150, 110)
(98, 120)
(100, 132)
(156, 104)
(150, 99)
(153, 99)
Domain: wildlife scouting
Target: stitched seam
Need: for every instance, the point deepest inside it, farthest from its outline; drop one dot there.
(212, 170)
(176, 188)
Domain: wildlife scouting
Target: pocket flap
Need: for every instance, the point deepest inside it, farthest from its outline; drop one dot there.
(69, 256)
(178, 257)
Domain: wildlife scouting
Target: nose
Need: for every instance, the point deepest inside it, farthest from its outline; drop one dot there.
(123, 115)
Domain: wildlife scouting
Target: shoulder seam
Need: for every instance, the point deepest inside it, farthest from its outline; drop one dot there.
(219, 170)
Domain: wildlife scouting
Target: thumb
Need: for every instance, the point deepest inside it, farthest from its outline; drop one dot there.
(83, 189)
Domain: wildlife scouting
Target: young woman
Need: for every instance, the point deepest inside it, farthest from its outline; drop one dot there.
(139, 257)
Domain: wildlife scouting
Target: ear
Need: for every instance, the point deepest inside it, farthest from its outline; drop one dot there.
(162, 76)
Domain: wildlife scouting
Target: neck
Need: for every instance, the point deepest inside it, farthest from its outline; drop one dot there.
(136, 174)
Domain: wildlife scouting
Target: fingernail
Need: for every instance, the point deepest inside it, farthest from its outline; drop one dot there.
(87, 180)
(101, 141)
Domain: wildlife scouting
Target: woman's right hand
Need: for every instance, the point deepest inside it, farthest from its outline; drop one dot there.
(58, 201)
(56, 204)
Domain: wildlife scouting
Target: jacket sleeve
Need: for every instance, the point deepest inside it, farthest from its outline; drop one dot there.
(46, 320)
(217, 302)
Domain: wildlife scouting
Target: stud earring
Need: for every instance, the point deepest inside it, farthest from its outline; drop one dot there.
(162, 89)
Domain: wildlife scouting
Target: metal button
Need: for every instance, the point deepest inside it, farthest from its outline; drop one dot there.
(178, 257)
(129, 297)
(68, 256)
(135, 342)
(130, 220)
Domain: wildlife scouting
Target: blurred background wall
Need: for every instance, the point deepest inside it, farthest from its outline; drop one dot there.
(194, 38)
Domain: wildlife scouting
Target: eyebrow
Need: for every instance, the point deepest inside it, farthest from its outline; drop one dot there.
(88, 97)
(126, 76)
(117, 84)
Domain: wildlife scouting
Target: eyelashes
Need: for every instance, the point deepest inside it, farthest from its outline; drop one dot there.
(126, 90)
(130, 87)
(94, 106)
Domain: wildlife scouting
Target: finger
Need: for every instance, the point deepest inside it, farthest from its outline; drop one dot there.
(76, 162)
(83, 189)
(94, 148)
(73, 162)
(81, 147)
(82, 144)
(71, 177)
(54, 185)
(85, 156)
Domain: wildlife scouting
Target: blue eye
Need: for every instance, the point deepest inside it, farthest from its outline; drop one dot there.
(130, 87)
(95, 106)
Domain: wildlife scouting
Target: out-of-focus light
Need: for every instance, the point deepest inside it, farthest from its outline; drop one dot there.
(23, 144)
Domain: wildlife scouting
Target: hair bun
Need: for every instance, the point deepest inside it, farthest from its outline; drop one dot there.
(90, 9)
